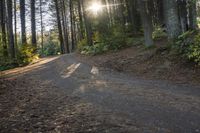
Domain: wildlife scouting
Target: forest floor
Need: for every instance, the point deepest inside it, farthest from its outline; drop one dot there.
(159, 63)
(79, 94)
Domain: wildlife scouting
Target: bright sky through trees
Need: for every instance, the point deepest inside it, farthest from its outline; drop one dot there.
(95, 7)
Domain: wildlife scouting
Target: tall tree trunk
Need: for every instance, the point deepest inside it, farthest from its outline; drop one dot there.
(80, 20)
(1, 18)
(172, 18)
(74, 30)
(33, 25)
(160, 12)
(59, 27)
(182, 4)
(41, 26)
(10, 29)
(147, 22)
(15, 23)
(23, 21)
(3, 28)
(193, 14)
(65, 28)
(71, 24)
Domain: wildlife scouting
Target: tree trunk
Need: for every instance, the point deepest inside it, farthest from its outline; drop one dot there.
(3, 28)
(192, 15)
(80, 20)
(41, 26)
(23, 21)
(183, 15)
(160, 12)
(147, 22)
(172, 18)
(33, 25)
(71, 24)
(59, 27)
(65, 28)
(10, 29)
(15, 23)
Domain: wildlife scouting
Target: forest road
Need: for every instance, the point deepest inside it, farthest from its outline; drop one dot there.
(127, 104)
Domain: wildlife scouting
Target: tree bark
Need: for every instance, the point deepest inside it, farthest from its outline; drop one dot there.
(192, 15)
(3, 28)
(59, 27)
(172, 18)
(147, 22)
(15, 23)
(10, 29)
(23, 22)
(41, 27)
(71, 25)
(182, 4)
(65, 28)
(33, 25)
(80, 20)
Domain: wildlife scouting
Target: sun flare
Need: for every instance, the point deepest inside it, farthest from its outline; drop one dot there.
(95, 7)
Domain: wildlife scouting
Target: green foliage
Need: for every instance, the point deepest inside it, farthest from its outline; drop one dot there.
(26, 54)
(113, 41)
(188, 44)
(97, 48)
(135, 41)
(194, 50)
(50, 48)
(117, 40)
(159, 33)
(82, 44)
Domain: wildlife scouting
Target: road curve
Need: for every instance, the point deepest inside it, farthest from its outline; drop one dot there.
(151, 106)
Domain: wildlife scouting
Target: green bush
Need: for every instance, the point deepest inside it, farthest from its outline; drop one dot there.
(6, 63)
(26, 54)
(114, 40)
(82, 44)
(188, 44)
(159, 33)
(50, 48)
(95, 49)
(134, 41)
(117, 39)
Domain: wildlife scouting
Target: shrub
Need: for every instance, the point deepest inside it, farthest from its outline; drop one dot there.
(117, 38)
(82, 44)
(134, 41)
(50, 48)
(159, 33)
(188, 44)
(194, 50)
(26, 54)
(114, 40)
(95, 49)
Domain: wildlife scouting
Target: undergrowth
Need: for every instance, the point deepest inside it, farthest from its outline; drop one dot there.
(188, 45)
(24, 55)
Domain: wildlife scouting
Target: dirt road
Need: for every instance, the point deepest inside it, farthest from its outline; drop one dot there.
(61, 94)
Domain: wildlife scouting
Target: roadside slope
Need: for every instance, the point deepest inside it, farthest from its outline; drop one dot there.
(155, 63)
